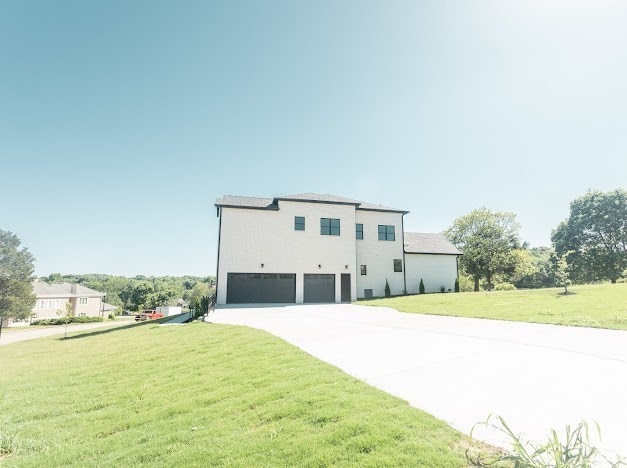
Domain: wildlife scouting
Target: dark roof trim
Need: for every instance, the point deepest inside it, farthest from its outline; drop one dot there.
(383, 210)
(269, 207)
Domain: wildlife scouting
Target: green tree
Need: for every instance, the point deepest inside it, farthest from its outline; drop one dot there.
(16, 276)
(596, 233)
(66, 316)
(487, 240)
(541, 275)
(386, 290)
(421, 287)
(561, 272)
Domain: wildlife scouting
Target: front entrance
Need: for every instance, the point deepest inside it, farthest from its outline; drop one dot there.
(319, 288)
(346, 287)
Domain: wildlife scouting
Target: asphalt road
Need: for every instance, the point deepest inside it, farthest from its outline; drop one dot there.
(538, 377)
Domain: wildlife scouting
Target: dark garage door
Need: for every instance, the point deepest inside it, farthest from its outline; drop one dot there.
(250, 288)
(319, 288)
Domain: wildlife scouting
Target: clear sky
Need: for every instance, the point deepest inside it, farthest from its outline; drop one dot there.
(122, 121)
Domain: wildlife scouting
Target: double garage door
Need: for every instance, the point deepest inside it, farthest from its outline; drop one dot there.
(279, 288)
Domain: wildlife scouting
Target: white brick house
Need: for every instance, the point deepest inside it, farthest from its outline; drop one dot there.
(321, 248)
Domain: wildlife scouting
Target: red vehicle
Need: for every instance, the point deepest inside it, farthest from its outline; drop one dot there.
(148, 315)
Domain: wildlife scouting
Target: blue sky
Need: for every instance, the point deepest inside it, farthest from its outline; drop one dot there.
(121, 122)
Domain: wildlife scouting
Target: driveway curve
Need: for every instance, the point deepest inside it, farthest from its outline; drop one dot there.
(538, 377)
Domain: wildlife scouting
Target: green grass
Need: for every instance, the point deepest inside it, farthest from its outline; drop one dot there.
(202, 395)
(599, 305)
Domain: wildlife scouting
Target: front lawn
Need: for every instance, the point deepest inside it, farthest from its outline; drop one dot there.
(202, 395)
(598, 305)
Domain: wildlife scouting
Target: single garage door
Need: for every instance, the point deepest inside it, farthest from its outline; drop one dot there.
(251, 288)
(319, 288)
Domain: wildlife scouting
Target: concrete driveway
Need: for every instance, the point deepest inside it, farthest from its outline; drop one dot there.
(461, 370)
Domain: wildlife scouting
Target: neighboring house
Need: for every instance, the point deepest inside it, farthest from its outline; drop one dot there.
(53, 297)
(321, 248)
(108, 309)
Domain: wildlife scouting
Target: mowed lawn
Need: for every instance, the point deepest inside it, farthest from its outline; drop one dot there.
(202, 395)
(599, 305)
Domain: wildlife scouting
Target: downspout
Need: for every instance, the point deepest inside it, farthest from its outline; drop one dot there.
(219, 214)
(403, 247)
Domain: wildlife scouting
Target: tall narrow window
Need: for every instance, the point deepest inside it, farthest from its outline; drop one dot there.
(398, 265)
(359, 231)
(386, 233)
(299, 223)
(364, 270)
(329, 227)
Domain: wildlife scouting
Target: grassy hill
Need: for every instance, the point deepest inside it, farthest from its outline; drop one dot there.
(202, 395)
(599, 305)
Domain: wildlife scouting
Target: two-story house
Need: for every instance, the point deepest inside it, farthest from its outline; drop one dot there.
(318, 248)
(53, 297)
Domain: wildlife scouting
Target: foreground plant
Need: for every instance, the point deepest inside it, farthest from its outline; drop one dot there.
(575, 451)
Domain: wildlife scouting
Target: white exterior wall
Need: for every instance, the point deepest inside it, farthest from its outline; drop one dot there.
(47, 307)
(435, 271)
(250, 237)
(378, 256)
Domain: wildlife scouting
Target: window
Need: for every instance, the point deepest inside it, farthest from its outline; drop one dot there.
(329, 227)
(82, 300)
(398, 265)
(359, 231)
(82, 314)
(299, 223)
(49, 304)
(57, 303)
(364, 270)
(42, 304)
(386, 233)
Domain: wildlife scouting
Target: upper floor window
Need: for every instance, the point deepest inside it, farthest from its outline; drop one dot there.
(329, 227)
(398, 265)
(364, 270)
(386, 233)
(359, 231)
(82, 300)
(299, 223)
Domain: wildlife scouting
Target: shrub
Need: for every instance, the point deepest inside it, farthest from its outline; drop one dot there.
(442, 289)
(111, 316)
(421, 288)
(456, 285)
(504, 287)
(61, 321)
(388, 293)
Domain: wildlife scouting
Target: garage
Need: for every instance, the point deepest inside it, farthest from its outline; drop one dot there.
(319, 288)
(252, 288)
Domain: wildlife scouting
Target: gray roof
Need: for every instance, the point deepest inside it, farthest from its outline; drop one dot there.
(429, 243)
(42, 289)
(272, 203)
(108, 307)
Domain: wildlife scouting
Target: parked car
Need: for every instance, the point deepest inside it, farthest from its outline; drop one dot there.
(148, 315)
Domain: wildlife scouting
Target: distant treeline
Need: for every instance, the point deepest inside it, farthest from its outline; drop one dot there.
(142, 292)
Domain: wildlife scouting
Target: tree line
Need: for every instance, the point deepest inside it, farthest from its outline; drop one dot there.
(142, 292)
(589, 246)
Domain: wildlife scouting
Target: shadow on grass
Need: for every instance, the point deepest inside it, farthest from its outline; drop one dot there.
(96, 331)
